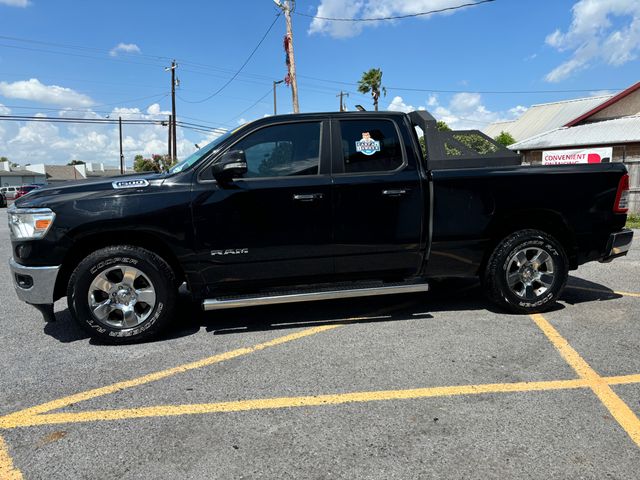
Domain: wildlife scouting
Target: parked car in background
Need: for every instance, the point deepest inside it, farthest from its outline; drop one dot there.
(9, 192)
(23, 190)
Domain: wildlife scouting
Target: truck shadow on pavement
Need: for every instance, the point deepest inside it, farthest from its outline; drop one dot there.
(448, 295)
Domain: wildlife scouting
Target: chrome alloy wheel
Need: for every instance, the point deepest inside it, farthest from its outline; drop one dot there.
(121, 297)
(530, 273)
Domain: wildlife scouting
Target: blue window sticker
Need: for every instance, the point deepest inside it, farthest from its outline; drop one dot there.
(367, 145)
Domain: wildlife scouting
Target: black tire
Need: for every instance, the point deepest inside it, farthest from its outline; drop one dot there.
(504, 269)
(154, 275)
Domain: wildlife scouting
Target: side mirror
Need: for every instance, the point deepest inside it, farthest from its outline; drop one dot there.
(232, 164)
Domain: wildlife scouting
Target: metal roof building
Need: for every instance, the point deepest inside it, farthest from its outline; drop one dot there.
(544, 117)
(608, 132)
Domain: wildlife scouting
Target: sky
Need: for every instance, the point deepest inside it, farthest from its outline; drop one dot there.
(470, 66)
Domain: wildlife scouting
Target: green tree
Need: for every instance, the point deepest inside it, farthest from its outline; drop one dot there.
(157, 163)
(371, 81)
(505, 138)
(443, 127)
(4, 159)
(476, 142)
(141, 164)
(76, 162)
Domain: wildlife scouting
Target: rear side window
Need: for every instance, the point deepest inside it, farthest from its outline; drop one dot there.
(282, 150)
(370, 146)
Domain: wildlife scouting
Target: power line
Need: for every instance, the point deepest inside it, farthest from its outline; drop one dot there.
(250, 107)
(162, 95)
(207, 122)
(107, 121)
(92, 57)
(487, 92)
(497, 92)
(89, 109)
(241, 67)
(269, 78)
(397, 17)
(195, 125)
(81, 47)
(78, 120)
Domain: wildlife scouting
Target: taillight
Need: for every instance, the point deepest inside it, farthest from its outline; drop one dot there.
(621, 205)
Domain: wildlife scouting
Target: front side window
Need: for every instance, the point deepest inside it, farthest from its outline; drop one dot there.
(370, 146)
(282, 150)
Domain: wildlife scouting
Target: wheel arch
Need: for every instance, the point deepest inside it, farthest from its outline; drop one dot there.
(90, 243)
(551, 222)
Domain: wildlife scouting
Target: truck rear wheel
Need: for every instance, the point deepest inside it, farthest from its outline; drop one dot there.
(526, 272)
(122, 294)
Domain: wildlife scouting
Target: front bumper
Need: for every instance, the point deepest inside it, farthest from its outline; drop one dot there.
(618, 245)
(34, 285)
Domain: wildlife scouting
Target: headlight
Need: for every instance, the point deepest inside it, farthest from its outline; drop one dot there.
(30, 223)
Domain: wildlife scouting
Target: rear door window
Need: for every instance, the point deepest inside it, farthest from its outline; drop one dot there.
(370, 146)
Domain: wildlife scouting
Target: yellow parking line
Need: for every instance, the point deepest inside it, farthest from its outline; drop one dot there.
(600, 290)
(313, 400)
(289, 402)
(7, 470)
(24, 415)
(623, 379)
(616, 406)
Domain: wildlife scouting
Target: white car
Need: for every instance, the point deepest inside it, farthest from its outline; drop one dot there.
(9, 192)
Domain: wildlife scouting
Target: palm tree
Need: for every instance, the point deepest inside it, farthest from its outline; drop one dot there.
(371, 81)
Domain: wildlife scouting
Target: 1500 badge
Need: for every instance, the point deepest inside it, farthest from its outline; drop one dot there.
(231, 251)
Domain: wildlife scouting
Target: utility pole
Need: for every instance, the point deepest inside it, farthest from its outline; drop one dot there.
(172, 124)
(341, 95)
(121, 154)
(170, 148)
(287, 6)
(275, 104)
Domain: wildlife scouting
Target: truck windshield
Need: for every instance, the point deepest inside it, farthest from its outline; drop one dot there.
(194, 157)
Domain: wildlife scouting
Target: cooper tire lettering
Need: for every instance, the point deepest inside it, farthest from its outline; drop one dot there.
(153, 266)
(494, 277)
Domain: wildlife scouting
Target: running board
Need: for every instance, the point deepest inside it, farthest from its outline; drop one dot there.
(311, 296)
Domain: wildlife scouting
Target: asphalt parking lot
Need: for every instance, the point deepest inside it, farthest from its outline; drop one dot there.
(415, 386)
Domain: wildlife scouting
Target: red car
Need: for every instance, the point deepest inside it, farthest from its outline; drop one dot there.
(23, 190)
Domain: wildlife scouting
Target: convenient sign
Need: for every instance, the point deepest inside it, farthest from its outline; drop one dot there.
(572, 157)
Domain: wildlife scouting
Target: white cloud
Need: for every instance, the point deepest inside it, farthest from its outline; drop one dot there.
(593, 36)
(155, 110)
(4, 110)
(56, 143)
(124, 48)
(335, 9)
(517, 110)
(465, 102)
(36, 91)
(242, 121)
(368, 9)
(15, 3)
(398, 105)
(466, 111)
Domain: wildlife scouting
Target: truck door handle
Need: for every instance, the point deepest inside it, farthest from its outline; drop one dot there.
(307, 197)
(395, 193)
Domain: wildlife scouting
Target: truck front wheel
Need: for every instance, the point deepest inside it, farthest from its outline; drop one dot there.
(526, 272)
(122, 294)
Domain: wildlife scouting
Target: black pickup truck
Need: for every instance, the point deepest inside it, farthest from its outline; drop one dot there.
(311, 207)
